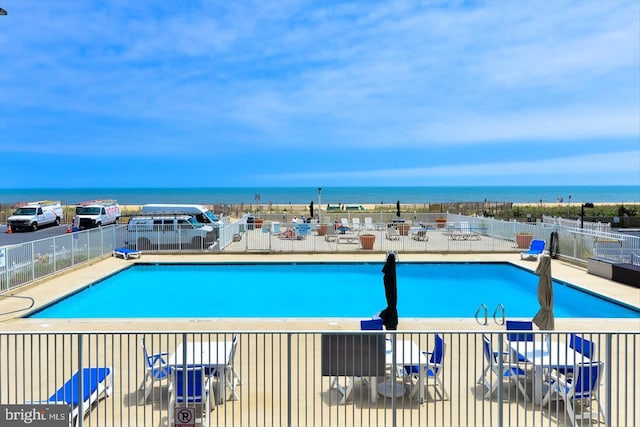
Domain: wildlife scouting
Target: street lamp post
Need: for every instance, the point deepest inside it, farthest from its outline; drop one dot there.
(319, 205)
(584, 205)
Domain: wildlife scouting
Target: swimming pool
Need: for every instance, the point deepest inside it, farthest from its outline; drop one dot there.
(312, 290)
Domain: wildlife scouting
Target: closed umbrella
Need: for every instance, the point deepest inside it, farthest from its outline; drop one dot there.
(389, 315)
(311, 209)
(544, 318)
(398, 208)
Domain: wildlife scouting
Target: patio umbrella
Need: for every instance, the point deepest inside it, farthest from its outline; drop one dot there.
(398, 208)
(544, 317)
(389, 315)
(311, 209)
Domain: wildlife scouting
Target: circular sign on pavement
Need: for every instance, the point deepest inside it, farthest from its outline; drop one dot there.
(185, 417)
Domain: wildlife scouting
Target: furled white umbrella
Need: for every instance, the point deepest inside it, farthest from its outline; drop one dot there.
(544, 318)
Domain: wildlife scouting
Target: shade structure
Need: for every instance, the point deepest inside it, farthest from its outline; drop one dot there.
(389, 315)
(544, 318)
(311, 209)
(398, 208)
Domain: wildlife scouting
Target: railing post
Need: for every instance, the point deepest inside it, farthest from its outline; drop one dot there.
(501, 379)
(289, 402)
(607, 380)
(80, 420)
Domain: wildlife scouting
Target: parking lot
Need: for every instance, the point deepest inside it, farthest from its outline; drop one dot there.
(18, 237)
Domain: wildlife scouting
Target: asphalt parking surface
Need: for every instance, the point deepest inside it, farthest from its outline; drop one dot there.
(18, 237)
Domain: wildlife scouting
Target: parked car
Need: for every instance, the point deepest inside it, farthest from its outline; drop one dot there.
(168, 232)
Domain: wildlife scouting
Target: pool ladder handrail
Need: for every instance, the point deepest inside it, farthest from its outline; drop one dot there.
(483, 308)
(499, 307)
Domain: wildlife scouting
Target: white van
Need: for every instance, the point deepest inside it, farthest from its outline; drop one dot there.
(168, 232)
(199, 212)
(96, 213)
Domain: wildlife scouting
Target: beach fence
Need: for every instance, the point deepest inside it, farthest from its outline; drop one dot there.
(321, 378)
(425, 233)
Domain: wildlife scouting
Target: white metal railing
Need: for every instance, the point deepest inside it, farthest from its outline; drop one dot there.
(290, 377)
(38, 259)
(573, 223)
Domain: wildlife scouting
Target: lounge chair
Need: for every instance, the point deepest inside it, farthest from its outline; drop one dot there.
(579, 391)
(510, 372)
(368, 224)
(433, 370)
(126, 253)
(95, 382)
(356, 224)
(288, 234)
(344, 225)
(392, 233)
(331, 234)
(535, 249)
(198, 391)
(418, 233)
(463, 233)
(157, 369)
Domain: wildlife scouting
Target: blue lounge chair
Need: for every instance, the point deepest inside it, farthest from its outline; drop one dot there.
(95, 382)
(157, 369)
(126, 253)
(579, 390)
(535, 249)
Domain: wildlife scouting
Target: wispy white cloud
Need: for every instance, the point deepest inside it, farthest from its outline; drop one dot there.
(590, 168)
(359, 77)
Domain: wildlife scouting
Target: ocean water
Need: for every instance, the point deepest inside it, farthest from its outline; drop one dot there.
(333, 195)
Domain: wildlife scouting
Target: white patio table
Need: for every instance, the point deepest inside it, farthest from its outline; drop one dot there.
(545, 355)
(212, 355)
(407, 354)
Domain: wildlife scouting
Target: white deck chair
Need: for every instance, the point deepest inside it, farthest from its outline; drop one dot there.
(392, 233)
(345, 223)
(368, 224)
(356, 224)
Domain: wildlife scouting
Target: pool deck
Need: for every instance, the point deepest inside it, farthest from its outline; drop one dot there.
(46, 291)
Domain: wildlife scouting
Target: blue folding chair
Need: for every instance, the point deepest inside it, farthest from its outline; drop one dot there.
(433, 371)
(157, 369)
(190, 386)
(579, 390)
(519, 325)
(371, 324)
(580, 345)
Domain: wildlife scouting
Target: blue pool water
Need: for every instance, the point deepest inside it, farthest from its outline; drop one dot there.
(425, 290)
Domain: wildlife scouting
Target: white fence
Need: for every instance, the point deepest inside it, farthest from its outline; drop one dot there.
(35, 260)
(293, 378)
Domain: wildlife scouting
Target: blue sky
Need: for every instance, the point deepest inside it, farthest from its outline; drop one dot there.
(285, 93)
